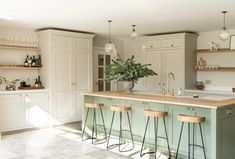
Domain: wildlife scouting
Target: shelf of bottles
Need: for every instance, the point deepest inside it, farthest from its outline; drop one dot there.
(31, 62)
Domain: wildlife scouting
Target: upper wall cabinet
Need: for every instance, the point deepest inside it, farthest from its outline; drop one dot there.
(173, 53)
(152, 44)
(172, 43)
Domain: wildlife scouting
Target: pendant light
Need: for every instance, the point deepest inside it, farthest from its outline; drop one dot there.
(109, 47)
(134, 33)
(224, 33)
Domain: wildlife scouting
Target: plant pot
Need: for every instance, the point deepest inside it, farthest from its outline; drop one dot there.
(128, 85)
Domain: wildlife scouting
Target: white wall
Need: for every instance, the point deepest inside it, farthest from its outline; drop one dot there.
(16, 36)
(135, 47)
(225, 80)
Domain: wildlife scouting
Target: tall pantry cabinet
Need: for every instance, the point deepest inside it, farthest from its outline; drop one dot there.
(171, 53)
(67, 71)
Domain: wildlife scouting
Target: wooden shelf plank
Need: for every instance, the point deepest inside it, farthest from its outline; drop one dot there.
(19, 47)
(19, 67)
(222, 50)
(219, 69)
(30, 88)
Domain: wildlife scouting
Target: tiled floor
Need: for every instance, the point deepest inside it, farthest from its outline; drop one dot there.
(63, 142)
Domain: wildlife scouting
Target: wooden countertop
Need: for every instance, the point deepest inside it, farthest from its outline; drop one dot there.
(186, 101)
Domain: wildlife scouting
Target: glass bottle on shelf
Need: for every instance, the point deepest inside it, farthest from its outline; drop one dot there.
(36, 83)
(39, 60)
(39, 82)
(33, 61)
(30, 61)
(26, 62)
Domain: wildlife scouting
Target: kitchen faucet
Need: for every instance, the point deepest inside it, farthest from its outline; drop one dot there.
(167, 91)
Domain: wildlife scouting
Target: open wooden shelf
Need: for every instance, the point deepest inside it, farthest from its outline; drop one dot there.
(30, 88)
(28, 48)
(222, 50)
(20, 67)
(218, 69)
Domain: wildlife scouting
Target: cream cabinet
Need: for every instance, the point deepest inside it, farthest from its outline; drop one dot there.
(20, 110)
(37, 109)
(67, 71)
(175, 54)
(11, 109)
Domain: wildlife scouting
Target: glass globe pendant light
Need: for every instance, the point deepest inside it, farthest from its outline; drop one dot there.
(109, 47)
(224, 33)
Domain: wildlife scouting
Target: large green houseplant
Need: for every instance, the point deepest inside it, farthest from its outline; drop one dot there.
(128, 71)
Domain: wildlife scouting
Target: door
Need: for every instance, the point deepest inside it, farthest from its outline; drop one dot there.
(153, 83)
(174, 62)
(63, 77)
(101, 61)
(11, 108)
(82, 74)
(37, 111)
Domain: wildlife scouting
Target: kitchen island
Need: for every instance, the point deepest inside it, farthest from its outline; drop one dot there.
(218, 130)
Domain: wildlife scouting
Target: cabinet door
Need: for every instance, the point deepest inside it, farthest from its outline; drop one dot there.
(63, 77)
(153, 83)
(152, 44)
(37, 112)
(11, 108)
(62, 63)
(83, 63)
(174, 62)
(172, 43)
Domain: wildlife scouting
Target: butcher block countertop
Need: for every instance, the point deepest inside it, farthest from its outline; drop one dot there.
(212, 102)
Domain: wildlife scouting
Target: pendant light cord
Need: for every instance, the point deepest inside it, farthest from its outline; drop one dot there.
(224, 12)
(109, 30)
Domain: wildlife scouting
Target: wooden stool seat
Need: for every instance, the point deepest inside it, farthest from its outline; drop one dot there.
(155, 113)
(94, 105)
(120, 108)
(190, 119)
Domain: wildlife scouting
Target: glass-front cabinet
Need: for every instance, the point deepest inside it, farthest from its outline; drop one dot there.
(101, 61)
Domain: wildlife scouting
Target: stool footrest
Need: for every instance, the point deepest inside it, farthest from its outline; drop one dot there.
(149, 152)
(125, 130)
(162, 137)
(194, 145)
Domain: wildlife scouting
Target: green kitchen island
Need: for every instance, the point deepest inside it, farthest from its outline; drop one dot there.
(218, 129)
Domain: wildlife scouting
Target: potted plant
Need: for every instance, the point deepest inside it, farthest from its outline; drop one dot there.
(128, 71)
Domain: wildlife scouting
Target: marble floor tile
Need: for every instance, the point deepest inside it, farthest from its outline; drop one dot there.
(62, 142)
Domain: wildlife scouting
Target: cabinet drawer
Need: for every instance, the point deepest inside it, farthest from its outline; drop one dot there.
(152, 44)
(172, 43)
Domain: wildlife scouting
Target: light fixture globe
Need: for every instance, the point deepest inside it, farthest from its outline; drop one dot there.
(224, 34)
(109, 47)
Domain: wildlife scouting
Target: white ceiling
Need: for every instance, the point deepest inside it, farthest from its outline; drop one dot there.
(150, 16)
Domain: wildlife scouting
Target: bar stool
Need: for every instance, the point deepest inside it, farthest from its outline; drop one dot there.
(191, 120)
(94, 106)
(121, 109)
(155, 114)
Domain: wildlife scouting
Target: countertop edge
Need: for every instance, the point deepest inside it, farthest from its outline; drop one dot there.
(107, 95)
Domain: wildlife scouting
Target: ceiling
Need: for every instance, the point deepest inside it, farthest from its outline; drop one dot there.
(150, 16)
